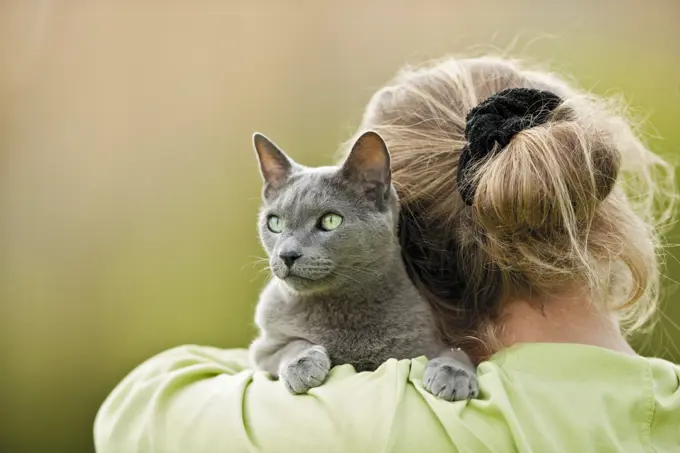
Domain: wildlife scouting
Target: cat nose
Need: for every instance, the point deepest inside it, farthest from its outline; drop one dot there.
(289, 257)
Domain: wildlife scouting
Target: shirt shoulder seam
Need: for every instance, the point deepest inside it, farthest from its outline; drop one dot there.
(651, 408)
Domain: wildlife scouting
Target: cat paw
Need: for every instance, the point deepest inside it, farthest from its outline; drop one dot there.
(306, 371)
(449, 380)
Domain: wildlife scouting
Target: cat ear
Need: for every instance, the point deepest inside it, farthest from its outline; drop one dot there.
(368, 165)
(275, 166)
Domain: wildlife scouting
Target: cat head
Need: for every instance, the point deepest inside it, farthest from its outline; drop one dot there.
(324, 227)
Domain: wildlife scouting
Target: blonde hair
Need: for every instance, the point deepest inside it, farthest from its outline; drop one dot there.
(574, 204)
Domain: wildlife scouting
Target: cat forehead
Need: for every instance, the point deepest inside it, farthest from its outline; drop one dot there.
(311, 187)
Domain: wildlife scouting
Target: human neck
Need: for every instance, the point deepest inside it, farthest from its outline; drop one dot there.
(562, 320)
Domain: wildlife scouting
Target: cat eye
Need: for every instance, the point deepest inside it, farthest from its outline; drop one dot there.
(275, 224)
(330, 221)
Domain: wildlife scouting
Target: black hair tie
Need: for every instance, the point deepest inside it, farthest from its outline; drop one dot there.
(495, 122)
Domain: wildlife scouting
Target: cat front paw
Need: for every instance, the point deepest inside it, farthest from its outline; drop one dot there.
(450, 380)
(306, 371)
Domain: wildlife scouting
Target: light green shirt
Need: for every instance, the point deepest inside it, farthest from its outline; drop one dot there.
(543, 398)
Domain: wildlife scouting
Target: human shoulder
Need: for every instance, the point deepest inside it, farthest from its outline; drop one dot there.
(664, 426)
(208, 399)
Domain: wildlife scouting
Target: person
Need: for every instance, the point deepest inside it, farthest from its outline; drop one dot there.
(535, 239)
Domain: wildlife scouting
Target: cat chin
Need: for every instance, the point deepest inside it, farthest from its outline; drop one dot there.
(303, 286)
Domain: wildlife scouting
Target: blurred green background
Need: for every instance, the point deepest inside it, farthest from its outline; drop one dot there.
(129, 189)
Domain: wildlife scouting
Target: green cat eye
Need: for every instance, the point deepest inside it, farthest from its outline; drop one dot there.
(330, 221)
(275, 224)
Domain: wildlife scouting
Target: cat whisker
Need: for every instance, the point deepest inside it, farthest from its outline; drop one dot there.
(258, 273)
(358, 269)
(257, 260)
(335, 272)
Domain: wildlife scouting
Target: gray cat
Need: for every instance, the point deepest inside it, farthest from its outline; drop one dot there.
(340, 292)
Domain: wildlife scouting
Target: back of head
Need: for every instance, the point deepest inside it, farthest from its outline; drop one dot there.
(566, 205)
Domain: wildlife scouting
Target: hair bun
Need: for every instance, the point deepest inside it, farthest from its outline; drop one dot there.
(493, 123)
